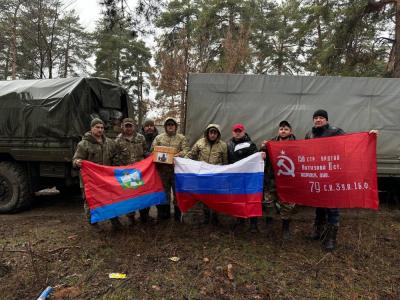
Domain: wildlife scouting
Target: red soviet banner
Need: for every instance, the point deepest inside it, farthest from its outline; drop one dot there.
(333, 172)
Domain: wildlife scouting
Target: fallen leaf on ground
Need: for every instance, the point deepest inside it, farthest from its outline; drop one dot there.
(174, 258)
(229, 272)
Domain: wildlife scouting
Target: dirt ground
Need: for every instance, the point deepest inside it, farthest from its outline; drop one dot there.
(52, 246)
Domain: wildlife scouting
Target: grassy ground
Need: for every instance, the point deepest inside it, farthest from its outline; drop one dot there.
(53, 246)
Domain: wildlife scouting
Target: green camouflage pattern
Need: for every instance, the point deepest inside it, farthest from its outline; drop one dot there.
(129, 151)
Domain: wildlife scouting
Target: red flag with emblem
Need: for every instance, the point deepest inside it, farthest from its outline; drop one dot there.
(332, 172)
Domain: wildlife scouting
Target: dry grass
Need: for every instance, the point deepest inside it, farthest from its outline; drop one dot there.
(63, 252)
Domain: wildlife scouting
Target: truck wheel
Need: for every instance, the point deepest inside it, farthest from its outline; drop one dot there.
(14, 191)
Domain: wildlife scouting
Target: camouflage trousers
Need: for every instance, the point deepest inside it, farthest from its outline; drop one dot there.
(271, 203)
(167, 176)
(86, 209)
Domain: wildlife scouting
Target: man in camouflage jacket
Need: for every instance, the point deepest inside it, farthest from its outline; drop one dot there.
(130, 148)
(210, 149)
(170, 138)
(97, 148)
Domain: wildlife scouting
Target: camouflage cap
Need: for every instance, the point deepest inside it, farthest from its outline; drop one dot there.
(128, 121)
(96, 121)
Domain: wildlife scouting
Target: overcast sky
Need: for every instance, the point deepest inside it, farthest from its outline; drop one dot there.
(88, 11)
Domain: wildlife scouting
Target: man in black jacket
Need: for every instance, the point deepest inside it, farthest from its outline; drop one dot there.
(326, 223)
(239, 147)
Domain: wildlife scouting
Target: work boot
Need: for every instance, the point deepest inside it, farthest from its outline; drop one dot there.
(206, 216)
(177, 213)
(164, 212)
(318, 230)
(214, 219)
(253, 225)
(269, 220)
(144, 215)
(160, 212)
(237, 223)
(131, 220)
(167, 211)
(115, 224)
(285, 230)
(330, 239)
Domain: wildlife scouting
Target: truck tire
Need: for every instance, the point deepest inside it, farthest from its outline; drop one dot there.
(14, 188)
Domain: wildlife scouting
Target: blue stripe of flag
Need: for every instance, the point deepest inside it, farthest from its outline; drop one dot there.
(220, 183)
(126, 206)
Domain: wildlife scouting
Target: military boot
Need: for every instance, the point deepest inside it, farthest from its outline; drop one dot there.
(269, 220)
(253, 225)
(160, 212)
(131, 220)
(214, 219)
(206, 216)
(115, 224)
(237, 223)
(330, 239)
(285, 230)
(177, 213)
(318, 230)
(144, 215)
(167, 211)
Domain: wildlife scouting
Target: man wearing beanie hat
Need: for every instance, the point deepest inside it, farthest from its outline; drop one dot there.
(326, 223)
(97, 148)
(149, 131)
(271, 199)
(170, 138)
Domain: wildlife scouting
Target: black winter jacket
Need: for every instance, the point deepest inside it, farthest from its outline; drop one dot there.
(240, 149)
(324, 131)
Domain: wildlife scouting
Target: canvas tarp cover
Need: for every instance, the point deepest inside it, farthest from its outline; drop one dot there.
(54, 108)
(260, 102)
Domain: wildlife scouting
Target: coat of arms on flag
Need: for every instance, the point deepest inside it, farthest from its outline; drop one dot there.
(115, 191)
(129, 178)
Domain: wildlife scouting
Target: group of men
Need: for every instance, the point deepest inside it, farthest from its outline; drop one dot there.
(131, 146)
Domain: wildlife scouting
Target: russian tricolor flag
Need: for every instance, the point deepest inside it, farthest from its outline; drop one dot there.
(235, 189)
(115, 191)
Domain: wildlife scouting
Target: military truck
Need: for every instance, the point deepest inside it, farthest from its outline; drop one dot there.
(262, 101)
(41, 122)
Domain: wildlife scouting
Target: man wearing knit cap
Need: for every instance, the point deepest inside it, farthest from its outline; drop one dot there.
(326, 223)
(149, 131)
(97, 148)
(271, 199)
(170, 138)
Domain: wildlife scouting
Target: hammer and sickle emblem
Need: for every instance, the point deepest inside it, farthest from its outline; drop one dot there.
(286, 166)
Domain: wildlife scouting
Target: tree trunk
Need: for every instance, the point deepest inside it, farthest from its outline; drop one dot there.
(7, 65)
(14, 44)
(396, 70)
(140, 99)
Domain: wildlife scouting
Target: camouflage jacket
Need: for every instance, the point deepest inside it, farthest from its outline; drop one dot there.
(213, 153)
(129, 151)
(177, 141)
(99, 153)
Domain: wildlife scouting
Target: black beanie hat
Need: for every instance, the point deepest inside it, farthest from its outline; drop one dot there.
(320, 113)
(284, 124)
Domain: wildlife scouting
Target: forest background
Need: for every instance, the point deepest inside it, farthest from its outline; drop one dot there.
(46, 39)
